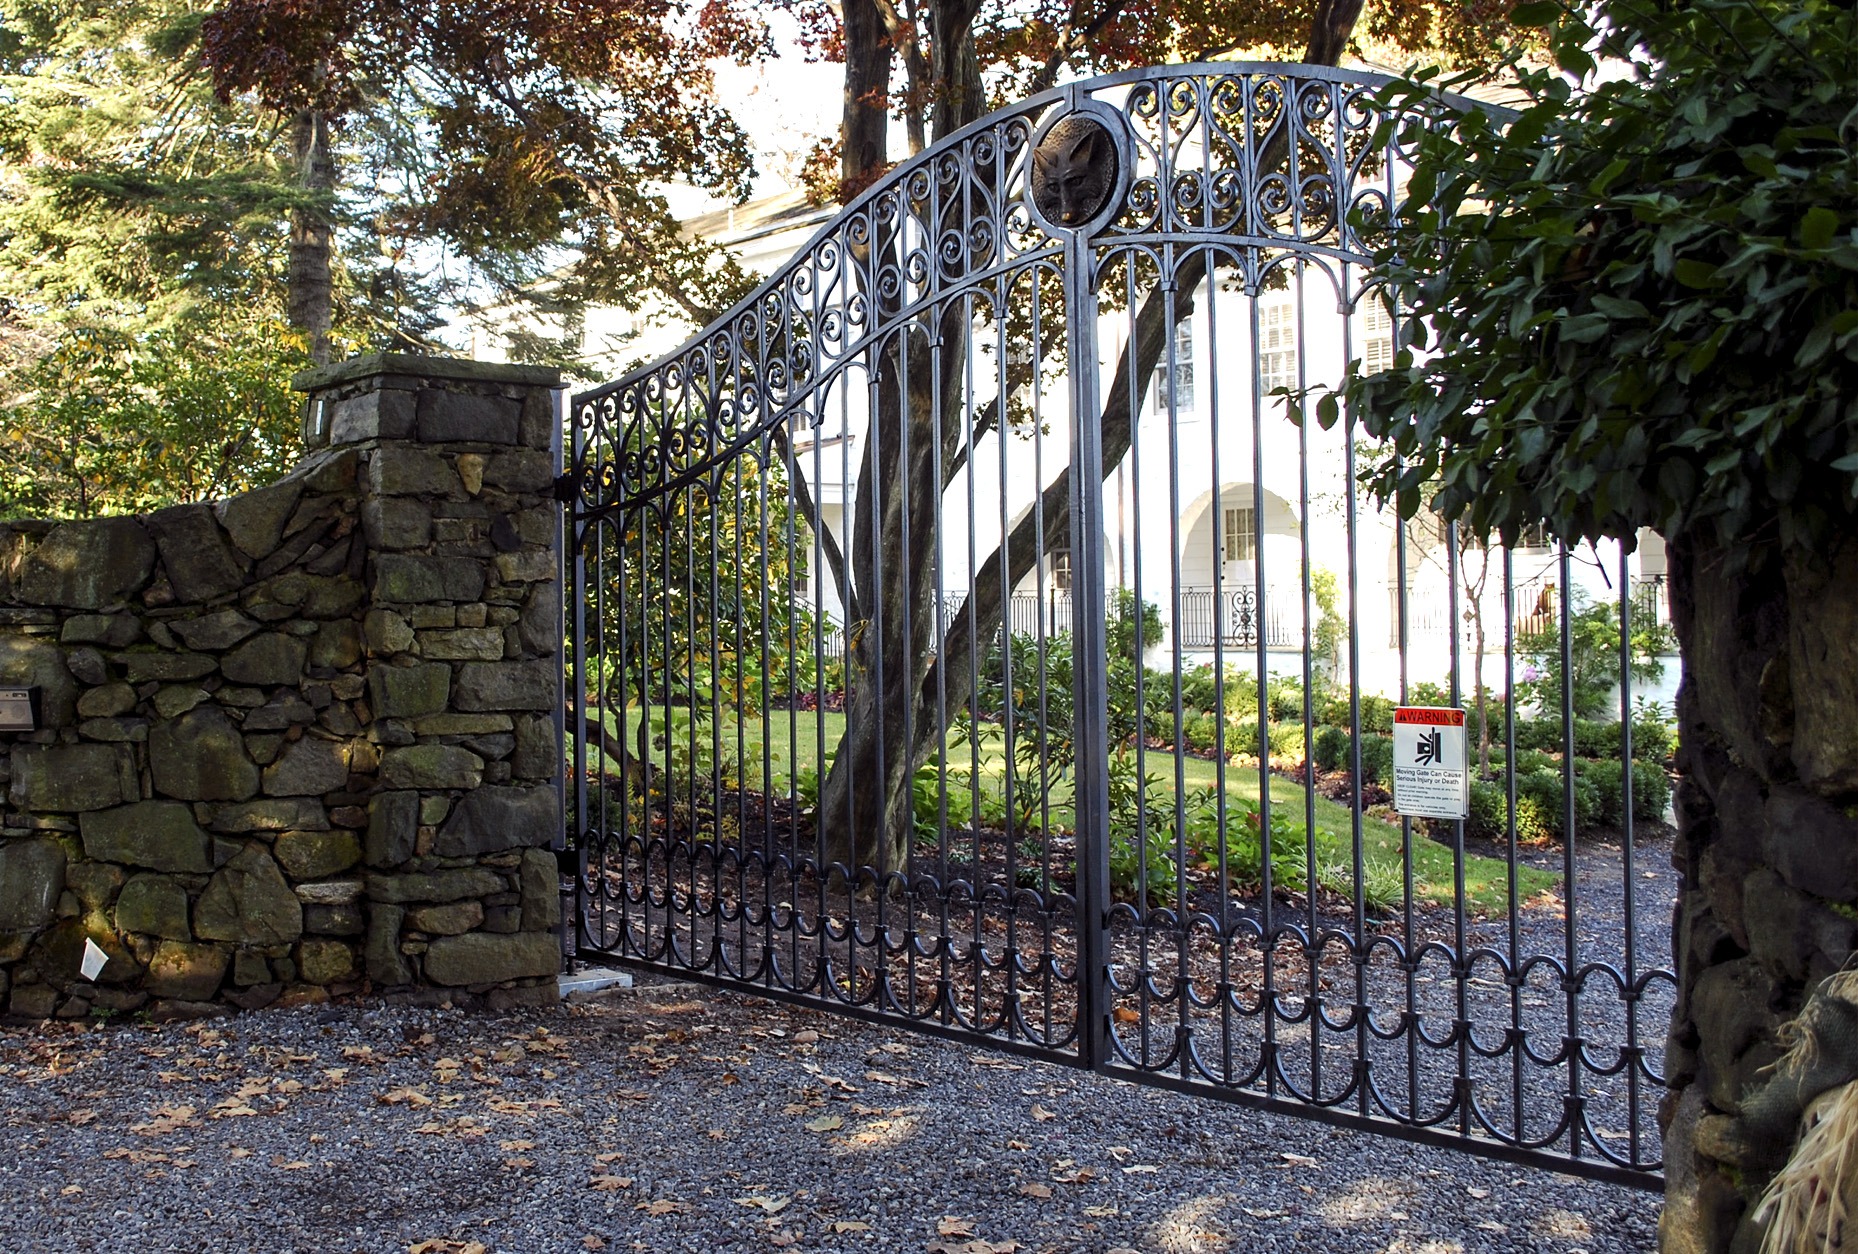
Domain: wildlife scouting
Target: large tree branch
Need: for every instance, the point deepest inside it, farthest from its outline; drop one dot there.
(1076, 38)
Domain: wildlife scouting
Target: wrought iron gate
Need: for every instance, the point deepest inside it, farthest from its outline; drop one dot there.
(836, 742)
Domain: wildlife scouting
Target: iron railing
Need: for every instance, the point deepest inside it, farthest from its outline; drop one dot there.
(998, 824)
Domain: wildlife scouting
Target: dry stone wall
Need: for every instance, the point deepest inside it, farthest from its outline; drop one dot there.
(306, 739)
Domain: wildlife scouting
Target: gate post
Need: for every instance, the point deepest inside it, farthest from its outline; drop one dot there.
(1090, 646)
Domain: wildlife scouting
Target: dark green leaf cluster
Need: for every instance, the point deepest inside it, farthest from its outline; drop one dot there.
(1637, 303)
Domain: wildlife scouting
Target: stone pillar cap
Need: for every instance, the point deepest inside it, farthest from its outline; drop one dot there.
(318, 378)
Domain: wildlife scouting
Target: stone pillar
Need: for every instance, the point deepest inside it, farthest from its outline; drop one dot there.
(462, 639)
(1767, 848)
(303, 739)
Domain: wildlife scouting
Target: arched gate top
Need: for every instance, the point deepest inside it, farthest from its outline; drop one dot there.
(1267, 160)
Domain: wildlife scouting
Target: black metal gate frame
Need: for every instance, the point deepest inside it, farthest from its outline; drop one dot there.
(659, 898)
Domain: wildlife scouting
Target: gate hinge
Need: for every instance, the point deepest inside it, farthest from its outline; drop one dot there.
(568, 485)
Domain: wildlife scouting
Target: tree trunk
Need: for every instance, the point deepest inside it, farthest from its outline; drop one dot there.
(895, 694)
(864, 126)
(310, 298)
(1767, 849)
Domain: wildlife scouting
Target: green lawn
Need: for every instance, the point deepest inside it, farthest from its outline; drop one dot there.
(784, 742)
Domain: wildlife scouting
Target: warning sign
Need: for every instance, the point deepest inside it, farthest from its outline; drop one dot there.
(1432, 778)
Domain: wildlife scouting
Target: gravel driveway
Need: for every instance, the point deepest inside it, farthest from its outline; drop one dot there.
(681, 1119)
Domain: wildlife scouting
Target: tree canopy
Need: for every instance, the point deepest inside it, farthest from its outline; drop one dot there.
(268, 182)
(1638, 301)
(937, 65)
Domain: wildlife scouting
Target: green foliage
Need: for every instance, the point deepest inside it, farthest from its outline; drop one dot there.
(108, 422)
(702, 604)
(1593, 656)
(1331, 634)
(1638, 301)
(1142, 864)
(1123, 622)
(1331, 749)
(1651, 790)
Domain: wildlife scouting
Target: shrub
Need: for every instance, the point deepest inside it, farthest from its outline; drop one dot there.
(1287, 741)
(1377, 758)
(1331, 749)
(1123, 620)
(1651, 790)
(1284, 695)
(1377, 714)
(1141, 833)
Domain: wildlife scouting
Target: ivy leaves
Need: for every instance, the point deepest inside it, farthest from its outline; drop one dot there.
(1637, 305)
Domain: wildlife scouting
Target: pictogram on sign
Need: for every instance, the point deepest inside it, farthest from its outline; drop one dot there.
(1431, 767)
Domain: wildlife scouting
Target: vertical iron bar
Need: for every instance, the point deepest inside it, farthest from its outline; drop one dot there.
(1091, 652)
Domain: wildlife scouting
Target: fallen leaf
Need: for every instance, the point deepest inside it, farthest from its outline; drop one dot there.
(808, 1037)
(664, 1206)
(1125, 1015)
(1299, 1160)
(519, 1164)
(592, 1242)
(70, 1190)
(1140, 1169)
(954, 1226)
(515, 1147)
(609, 1184)
(1041, 1114)
(825, 1123)
(850, 1225)
(1040, 1191)
(404, 1096)
(1100, 1212)
(1479, 1194)
(166, 1119)
(768, 1205)
(610, 1157)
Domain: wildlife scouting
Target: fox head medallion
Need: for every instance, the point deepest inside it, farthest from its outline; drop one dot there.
(1073, 171)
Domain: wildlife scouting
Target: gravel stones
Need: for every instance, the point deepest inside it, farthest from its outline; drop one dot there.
(951, 1133)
